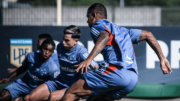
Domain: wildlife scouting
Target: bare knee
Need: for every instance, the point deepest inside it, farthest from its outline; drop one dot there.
(26, 98)
(18, 99)
(53, 97)
(5, 96)
(69, 97)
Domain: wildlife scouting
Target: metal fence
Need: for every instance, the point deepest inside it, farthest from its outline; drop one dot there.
(44, 13)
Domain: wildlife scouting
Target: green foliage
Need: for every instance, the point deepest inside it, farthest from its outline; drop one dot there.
(83, 2)
(170, 16)
(162, 3)
(39, 2)
(44, 2)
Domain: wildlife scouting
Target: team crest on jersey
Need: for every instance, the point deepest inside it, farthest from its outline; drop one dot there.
(19, 48)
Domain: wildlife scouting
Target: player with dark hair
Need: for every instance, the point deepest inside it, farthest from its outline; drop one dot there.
(41, 38)
(117, 76)
(69, 54)
(40, 68)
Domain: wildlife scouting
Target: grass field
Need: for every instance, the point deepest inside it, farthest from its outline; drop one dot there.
(130, 99)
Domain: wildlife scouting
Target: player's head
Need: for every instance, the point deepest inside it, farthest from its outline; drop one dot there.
(41, 38)
(71, 37)
(47, 49)
(96, 12)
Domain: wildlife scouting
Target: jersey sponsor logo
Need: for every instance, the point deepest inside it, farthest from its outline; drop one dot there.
(19, 48)
(67, 69)
(34, 76)
(128, 59)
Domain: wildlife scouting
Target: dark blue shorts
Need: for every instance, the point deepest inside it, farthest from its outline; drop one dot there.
(56, 85)
(115, 84)
(18, 88)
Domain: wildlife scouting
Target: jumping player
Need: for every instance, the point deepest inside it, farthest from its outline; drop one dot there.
(69, 54)
(117, 76)
(40, 68)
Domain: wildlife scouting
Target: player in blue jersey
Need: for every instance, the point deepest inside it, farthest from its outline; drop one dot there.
(69, 54)
(41, 38)
(40, 68)
(117, 75)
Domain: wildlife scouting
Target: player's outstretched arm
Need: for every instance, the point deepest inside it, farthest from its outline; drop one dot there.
(11, 70)
(100, 44)
(18, 71)
(151, 40)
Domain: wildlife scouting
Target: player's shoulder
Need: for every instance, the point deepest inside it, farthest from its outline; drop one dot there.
(32, 54)
(51, 64)
(80, 48)
(59, 46)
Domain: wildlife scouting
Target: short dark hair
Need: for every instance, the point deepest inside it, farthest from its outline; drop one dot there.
(45, 36)
(74, 30)
(98, 8)
(48, 41)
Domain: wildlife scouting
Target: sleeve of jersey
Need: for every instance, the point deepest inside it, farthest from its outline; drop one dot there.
(25, 61)
(96, 30)
(53, 71)
(135, 34)
(83, 55)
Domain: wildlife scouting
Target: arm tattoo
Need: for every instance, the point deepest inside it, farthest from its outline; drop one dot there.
(155, 46)
(100, 43)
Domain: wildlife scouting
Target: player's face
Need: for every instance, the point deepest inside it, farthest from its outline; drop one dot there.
(40, 41)
(69, 42)
(47, 51)
(90, 20)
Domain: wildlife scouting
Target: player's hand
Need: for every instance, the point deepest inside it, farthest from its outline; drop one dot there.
(5, 80)
(95, 67)
(83, 66)
(165, 67)
(11, 70)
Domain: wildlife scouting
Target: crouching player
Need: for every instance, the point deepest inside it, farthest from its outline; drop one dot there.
(69, 54)
(40, 68)
(118, 76)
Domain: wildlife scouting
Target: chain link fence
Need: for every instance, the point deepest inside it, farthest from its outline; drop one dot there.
(121, 12)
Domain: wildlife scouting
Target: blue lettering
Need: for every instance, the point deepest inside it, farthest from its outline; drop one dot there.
(21, 53)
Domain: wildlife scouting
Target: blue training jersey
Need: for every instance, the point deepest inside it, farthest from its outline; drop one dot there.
(39, 72)
(67, 60)
(119, 50)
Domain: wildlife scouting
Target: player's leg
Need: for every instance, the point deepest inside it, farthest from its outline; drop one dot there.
(5, 95)
(19, 98)
(120, 93)
(78, 89)
(14, 90)
(40, 93)
(101, 97)
(57, 95)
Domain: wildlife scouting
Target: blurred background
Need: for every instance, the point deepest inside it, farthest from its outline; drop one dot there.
(121, 12)
(26, 19)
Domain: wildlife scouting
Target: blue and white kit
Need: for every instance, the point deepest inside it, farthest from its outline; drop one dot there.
(38, 73)
(117, 75)
(67, 60)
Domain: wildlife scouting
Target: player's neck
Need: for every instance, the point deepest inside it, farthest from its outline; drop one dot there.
(41, 58)
(71, 48)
